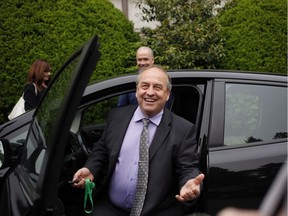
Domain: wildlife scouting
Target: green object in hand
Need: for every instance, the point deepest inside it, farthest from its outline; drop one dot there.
(89, 185)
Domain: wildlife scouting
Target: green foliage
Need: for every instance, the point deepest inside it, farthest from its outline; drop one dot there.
(53, 30)
(189, 35)
(97, 114)
(256, 35)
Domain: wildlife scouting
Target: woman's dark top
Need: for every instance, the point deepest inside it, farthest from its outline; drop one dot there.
(31, 99)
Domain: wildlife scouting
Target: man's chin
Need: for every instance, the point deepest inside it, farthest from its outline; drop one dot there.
(148, 110)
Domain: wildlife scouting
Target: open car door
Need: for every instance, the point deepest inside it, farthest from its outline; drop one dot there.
(31, 188)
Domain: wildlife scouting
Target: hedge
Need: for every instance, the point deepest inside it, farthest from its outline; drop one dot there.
(255, 32)
(53, 30)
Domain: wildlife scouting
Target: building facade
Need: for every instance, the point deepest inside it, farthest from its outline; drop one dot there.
(133, 13)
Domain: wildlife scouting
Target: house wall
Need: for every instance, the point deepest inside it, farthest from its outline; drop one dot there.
(134, 14)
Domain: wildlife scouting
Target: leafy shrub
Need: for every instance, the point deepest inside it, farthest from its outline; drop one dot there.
(188, 35)
(53, 30)
(256, 35)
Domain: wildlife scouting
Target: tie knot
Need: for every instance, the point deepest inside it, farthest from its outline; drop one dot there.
(145, 122)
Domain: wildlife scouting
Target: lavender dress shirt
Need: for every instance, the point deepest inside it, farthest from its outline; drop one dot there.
(124, 178)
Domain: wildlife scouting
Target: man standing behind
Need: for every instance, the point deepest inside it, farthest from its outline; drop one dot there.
(170, 172)
(144, 58)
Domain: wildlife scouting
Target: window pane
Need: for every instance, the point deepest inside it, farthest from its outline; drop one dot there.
(42, 125)
(255, 113)
(97, 113)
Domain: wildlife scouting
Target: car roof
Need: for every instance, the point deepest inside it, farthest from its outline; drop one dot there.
(230, 74)
(188, 73)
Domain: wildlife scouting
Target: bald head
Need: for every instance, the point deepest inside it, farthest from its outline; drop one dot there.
(144, 57)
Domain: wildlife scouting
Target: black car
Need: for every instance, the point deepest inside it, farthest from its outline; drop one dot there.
(240, 117)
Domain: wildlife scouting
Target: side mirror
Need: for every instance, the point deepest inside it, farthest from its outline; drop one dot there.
(5, 153)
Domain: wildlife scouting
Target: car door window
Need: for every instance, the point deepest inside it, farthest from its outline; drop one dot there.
(94, 120)
(255, 113)
(186, 102)
(97, 113)
(36, 142)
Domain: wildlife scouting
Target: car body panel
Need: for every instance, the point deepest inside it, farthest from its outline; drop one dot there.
(241, 177)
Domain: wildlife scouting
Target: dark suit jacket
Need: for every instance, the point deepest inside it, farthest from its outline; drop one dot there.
(127, 99)
(172, 155)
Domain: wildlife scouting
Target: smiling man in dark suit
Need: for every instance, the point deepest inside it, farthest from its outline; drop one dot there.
(173, 176)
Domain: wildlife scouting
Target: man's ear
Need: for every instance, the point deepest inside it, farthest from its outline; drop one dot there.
(168, 96)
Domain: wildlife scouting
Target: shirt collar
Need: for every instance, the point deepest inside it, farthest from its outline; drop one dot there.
(139, 115)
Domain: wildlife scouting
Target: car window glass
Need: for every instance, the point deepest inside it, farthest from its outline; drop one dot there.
(97, 113)
(186, 102)
(42, 126)
(94, 120)
(255, 113)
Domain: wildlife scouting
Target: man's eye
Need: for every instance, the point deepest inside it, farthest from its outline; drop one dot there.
(158, 87)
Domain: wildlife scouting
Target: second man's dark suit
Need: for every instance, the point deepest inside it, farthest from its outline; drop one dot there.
(172, 159)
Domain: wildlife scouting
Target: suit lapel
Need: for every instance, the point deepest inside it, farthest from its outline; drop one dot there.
(125, 118)
(161, 133)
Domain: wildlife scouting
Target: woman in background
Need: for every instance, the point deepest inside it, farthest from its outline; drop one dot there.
(38, 78)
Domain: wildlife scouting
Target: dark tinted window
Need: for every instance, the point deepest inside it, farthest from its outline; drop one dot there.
(186, 101)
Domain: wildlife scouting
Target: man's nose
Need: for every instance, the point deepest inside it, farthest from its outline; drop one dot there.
(143, 62)
(150, 90)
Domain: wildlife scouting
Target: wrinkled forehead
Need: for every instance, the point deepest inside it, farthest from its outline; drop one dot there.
(155, 72)
(153, 75)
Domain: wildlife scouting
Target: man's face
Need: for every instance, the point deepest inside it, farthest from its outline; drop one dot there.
(144, 58)
(152, 91)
